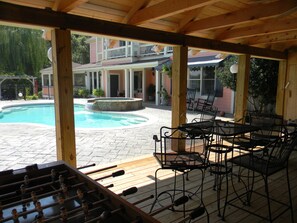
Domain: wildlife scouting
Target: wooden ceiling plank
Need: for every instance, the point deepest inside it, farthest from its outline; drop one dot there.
(190, 16)
(52, 19)
(269, 27)
(67, 5)
(272, 38)
(261, 11)
(137, 6)
(167, 8)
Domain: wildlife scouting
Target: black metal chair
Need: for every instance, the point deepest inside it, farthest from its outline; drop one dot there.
(200, 104)
(193, 157)
(276, 160)
(208, 113)
(191, 94)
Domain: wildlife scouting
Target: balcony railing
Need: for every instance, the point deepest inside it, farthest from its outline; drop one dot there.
(118, 52)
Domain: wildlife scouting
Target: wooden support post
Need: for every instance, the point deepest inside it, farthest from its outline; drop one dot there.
(63, 89)
(290, 111)
(179, 89)
(242, 84)
(281, 83)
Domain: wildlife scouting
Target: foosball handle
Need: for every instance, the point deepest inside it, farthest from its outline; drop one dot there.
(129, 191)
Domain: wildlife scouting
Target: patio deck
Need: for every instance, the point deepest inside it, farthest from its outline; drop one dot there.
(140, 173)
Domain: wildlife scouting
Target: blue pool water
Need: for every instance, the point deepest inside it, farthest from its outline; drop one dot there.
(45, 114)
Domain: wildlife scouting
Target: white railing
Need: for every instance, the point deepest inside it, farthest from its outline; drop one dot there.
(118, 52)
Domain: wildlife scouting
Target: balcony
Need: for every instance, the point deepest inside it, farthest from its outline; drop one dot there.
(118, 52)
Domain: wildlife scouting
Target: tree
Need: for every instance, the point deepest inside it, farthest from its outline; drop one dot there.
(80, 49)
(262, 81)
(23, 51)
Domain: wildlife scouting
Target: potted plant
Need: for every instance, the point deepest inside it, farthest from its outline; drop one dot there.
(98, 92)
(164, 96)
(166, 70)
(151, 92)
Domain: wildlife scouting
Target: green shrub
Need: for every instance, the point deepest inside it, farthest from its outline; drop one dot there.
(39, 94)
(83, 92)
(98, 92)
(32, 97)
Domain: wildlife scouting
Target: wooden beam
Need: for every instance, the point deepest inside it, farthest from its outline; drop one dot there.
(242, 84)
(67, 5)
(167, 8)
(137, 6)
(281, 84)
(258, 12)
(47, 18)
(63, 90)
(189, 17)
(261, 29)
(179, 89)
(272, 38)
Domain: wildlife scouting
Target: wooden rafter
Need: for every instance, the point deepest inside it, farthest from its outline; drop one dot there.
(137, 6)
(272, 38)
(190, 16)
(261, 11)
(270, 26)
(67, 5)
(167, 8)
(45, 18)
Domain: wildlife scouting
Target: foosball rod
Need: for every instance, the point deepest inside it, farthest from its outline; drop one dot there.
(197, 212)
(105, 215)
(177, 202)
(86, 166)
(47, 206)
(99, 170)
(114, 174)
(143, 200)
(78, 209)
(30, 179)
(39, 196)
(32, 188)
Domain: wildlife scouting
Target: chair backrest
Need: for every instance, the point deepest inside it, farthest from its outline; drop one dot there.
(282, 149)
(191, 94)
(210, 98)
(208, 113)
(270, 126)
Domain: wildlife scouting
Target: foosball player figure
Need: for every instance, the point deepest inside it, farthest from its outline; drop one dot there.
(34, 198)
(80, 194)
(64, 189)
(15, 215)
(61, 199)
(26, 181)
(23, 196)
(61, 179)
(39, 209)
(85, 208)
(39, 218)
(63, 214)
(54, 177)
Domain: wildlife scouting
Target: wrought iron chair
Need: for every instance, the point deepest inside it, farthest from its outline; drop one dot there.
(192, 158)
(276, 160)
(208, 113)
(200, 104)
(191, 93)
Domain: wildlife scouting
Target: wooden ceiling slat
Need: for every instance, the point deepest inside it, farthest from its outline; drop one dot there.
(269, 26)
(47, 18)
(167, 8)
(243, 16)
(67, 5)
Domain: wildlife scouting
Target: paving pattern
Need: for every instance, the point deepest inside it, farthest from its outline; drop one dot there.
(26, 144)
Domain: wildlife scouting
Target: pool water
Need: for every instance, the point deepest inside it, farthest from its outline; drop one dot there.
(45, 114)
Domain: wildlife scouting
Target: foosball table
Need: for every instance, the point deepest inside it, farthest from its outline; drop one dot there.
(56, 192)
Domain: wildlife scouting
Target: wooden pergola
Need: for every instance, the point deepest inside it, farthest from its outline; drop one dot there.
(248, 28)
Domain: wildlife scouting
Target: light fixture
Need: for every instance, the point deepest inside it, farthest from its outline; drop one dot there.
(50, 54)
(234, 68)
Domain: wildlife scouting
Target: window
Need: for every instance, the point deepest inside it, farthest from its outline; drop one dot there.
(46, 80)
(79, 80)
(203, 79)
(122, 43)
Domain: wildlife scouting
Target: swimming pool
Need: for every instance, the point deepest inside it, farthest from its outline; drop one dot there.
(45, 114)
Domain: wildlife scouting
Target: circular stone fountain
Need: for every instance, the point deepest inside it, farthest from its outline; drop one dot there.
(114, 104)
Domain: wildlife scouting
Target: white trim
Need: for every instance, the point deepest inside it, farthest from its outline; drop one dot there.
(211, 62)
